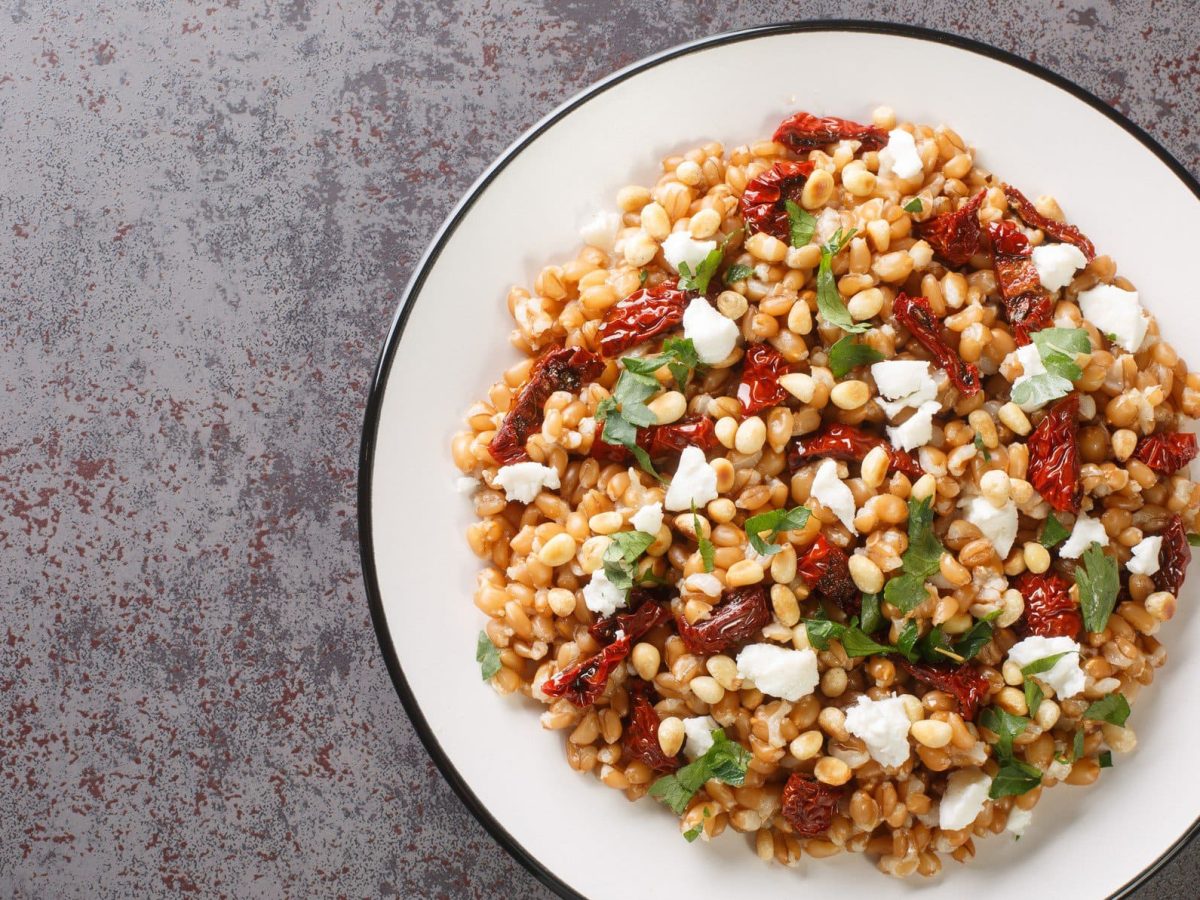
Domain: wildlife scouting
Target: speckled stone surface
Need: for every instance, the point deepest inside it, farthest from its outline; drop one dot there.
(207, 212)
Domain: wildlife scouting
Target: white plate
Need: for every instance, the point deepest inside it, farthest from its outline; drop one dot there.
(449, 341)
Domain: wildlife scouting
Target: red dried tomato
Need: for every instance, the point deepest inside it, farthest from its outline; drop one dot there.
(741, 615)
(837, 441)
(808, 805)
(1174, 557)
(1060, 231)
(1049, 609)
(1166, 452)
(584, 681)
(915, 314)
(968, 685)
(558, 369)
(1054, 455)
(761, 371)
(763, 202)
(641, 731)
(645, 613)
(642, 315)
(954, 236)
(663, 440)
(804, 131)
(826, 569)
(1027, 305)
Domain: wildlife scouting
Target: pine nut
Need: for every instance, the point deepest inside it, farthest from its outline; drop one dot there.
(668, 407)
(931, 733)
(807, 745)
(766, 247)
(655, 221)
(799, 384)
(707, 689)
(732, 305)
(1014, 419)
(924, 487)
(751, 435)
(1014, 607)
(831, 770)
(557, 551)
(817, 190)
(1161, 605)
(561, 601)
(743, 572)
(995, 486)
(1037, 557)
(866, 574)
(646, 660)
(850, 394)
(670, 735)
(865, 304)
(726, 430)
(606, 522)
(724, 670)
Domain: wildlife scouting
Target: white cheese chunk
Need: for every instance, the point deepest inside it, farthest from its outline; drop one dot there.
(698, 730)
(466, 485)
(917, 430)
(778, 671)
(1116, 312)
(1145, 556)
(523, 481)
(648, 519)
(903, 383)
(1058, 770)
(900, 156)
(695, 481)
(998, 525)
(1031, 365)
(883, 726)
(833, 494)
(1018, 820)
(1057, 264)
(601, 231)
(713, 334)
(966, 792)
(681, 247)
(828, 224)
(1065, 677)
(1085, 533)
(601, 596)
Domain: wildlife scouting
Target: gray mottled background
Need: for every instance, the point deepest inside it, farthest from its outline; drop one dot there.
(207, 213)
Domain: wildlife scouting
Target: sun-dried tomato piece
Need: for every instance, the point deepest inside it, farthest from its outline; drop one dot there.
(645, 313)
(915, 314)
(1173, 558)
(761, 370)
(1054, 456)
(1049, 609)
(826, 569)
(558, 369)
(837, 441)
(584, 680)
(763, 202)
(967, 684)
(954, 236)
(641, 731)
(690, 431)
(808, 805)
(804, 131)
(646, 612)
(1167, 451)
(741, 615)
(1060, 231)
(1027, 305)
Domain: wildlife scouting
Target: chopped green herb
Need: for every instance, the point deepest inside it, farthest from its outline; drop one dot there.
(1057, 347)
(1006, 727)
(1077, 746)
(725, 760)
(977, 637)
(621, 556)
(1045, 664)
(705, 546)
(487, 655)
(698, 280)
(1014, 778)
(1113, 709)
(846, 355)
(872, 618)
(775, 521)
(625, 411)
(642, 276)
(738, 272)
(1053, 533)
(906, 641)
(1112, 338)
(914, 205)
(678, 355)
(855, 641)
(1033, 696)
(1041, 389)
(1193, 539)
(921, 560)
(692, 833)
(801, 222)
(829, 301)
(1106, 759)
(1098, 587)
(982, 448)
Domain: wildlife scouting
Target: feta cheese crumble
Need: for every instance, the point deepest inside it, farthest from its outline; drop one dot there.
(523, 481)
(778, 671)
(832, 493)
(1018, 820)
(917, 430)
(601, 231)
(601, 596)
(1085, 533)
(681, 247)
(900, 156)
(998, 525)
(1145, 556)
(1057, 264)
(966, 792)
(828, 224)
(903, 383)
(695, 481)
(1117, 312)
(466, 485)
(883, 726)
(1065, 677)
(699, 740)
(713, 335)
(648, 519)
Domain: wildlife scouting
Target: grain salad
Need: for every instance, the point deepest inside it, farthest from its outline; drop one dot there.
(839, 498)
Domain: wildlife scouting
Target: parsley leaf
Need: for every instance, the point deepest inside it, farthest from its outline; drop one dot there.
(982, 448)
(642, 276)
(1053, 532)
(829, 301)
(1193, 539)
(775, 521)
(1065, 342)
(872, 618)
(1077, 746)
(856, 643)
(692, 833)
(854, 640)
(913, 206)
(846, 355)
(977, 637)
(487, 655)
(921, 560)
(625, 411)
(1033, 696)
(704, 545)
(1014, 778)
(1098, 586)
(725, 761)
(621, 556)
(705, 270)
(1045, 664)
(1106, 759)
(1006, 727)
(1041, 389)
(678, 355)
(738, 272)
(906, 640)
(801, 222)
(1057, 347)
(1113, 709)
